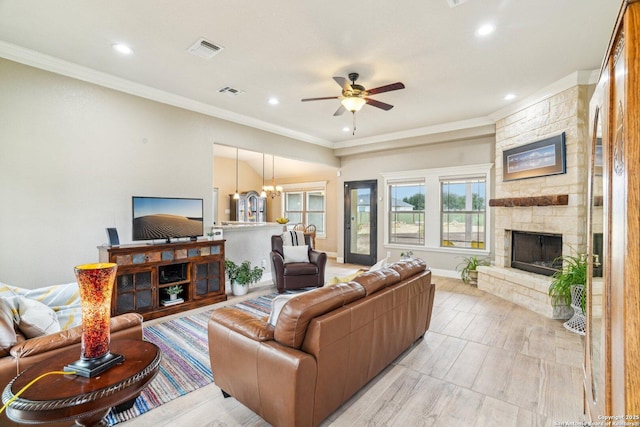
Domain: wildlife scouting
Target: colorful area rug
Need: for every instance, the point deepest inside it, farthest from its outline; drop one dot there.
(185, 365)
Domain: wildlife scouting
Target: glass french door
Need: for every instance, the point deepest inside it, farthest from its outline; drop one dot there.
(360, 222)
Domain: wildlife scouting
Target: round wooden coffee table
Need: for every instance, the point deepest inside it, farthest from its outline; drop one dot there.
(56, 398)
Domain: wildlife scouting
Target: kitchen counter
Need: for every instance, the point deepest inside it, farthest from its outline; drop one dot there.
(252, 242)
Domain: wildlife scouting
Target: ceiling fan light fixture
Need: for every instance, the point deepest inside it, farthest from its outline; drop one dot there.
(353, 103)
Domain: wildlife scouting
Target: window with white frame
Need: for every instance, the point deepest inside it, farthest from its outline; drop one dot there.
(463, 212)
(306, 203)
(406, 212)
(440, 208)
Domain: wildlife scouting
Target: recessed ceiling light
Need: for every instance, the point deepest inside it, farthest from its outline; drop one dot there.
(122, 48)
(274, 101)
(485, 30)
(346, 129)
(509, 97)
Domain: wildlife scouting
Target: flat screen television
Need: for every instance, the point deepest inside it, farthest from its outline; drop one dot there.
(166, 218)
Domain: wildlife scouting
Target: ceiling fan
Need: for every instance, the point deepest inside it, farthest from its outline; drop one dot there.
(354, 96)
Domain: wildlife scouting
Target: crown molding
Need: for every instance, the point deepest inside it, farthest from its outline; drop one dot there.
(576, 78)
(49, 63)
(411, 133)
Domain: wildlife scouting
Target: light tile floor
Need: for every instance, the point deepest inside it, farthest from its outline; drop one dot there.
(483, 362)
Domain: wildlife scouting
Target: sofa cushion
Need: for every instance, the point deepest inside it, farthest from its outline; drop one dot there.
(297, 313)
(34, 318)
(296, 254)
(300, 269)
(409, 267)
(64, 299)
(8, 336)
(373, 281)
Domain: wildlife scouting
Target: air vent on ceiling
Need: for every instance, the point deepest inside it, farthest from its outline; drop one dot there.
(454, 3)
(231, 91)
(205, 49)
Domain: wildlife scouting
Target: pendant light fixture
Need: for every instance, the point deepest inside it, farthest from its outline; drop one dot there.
(273, 190)
(263, 193)
(237, 195)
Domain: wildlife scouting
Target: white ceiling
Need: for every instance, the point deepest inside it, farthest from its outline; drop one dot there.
(291, 49)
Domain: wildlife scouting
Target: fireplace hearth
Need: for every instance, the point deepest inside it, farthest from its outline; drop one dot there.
(536, 252)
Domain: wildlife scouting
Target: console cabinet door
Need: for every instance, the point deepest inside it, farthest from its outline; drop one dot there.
(209, 277)
(135, 291)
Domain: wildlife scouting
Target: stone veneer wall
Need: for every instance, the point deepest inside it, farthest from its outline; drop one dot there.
(566, 112)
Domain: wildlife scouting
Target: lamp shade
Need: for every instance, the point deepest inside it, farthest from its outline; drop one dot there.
(353, 103)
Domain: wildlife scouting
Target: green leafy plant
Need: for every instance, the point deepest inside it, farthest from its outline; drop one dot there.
(574, 272)
(242, 273)
(468, 265)
(173, 290)
(407, 254)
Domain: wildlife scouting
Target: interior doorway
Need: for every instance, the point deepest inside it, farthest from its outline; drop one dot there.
(360, 222)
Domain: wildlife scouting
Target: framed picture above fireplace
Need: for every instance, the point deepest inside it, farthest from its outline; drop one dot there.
(540, 158)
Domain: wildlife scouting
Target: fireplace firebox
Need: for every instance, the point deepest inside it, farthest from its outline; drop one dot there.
(536, 252)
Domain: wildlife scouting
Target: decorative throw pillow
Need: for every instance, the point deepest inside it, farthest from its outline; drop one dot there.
(296, 254)
(292, 238)
(36, 319)
(276, 307)
(7, 328)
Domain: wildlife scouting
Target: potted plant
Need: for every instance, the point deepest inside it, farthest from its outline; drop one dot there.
(406, 255)
(573, 274)
(241, 275)
(469, 269)
(173, 291)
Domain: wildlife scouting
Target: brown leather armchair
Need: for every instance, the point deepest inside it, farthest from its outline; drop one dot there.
(296, 275)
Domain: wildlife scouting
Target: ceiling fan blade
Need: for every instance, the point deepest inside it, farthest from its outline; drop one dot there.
(319, 99)
(379, 104)
(344, 83)
(386, 88)
(340, 111)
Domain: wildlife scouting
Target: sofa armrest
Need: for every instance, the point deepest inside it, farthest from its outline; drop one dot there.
(274, 381)
(277, 267)
(63, 339)
(320, 259)
(243, 323)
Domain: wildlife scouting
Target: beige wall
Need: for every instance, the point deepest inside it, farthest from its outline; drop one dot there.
(73, 153)
(334, 209)
(434, 155)
(224, 178)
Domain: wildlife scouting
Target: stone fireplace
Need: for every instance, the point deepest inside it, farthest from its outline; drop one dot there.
(536, 252)
(547, 214)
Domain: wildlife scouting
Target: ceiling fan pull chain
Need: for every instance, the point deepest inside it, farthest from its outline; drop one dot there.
(354, 123)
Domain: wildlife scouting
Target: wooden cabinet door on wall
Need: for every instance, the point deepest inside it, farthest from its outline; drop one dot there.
(612, 342)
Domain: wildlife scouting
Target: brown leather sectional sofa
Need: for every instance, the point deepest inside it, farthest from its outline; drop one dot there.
(28, 352)
(326, 345)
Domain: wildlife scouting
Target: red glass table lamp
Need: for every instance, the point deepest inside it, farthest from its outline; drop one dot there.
(95, 282)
